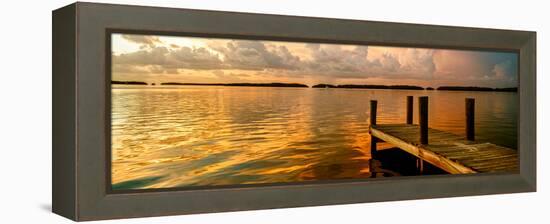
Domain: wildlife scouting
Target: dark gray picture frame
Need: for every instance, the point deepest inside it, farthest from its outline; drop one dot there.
(81, 110)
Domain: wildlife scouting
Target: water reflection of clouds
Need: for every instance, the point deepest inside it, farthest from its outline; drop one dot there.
(224, 135)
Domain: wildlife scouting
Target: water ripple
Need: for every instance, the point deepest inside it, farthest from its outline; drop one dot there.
(193, 136)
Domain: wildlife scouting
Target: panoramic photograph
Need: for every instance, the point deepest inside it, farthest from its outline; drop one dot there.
(210, 112)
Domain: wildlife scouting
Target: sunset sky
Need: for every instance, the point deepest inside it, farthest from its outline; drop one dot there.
(206, 60)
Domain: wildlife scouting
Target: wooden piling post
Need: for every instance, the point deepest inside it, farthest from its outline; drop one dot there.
(420, 166)
(409, 109)
(423, 119)
(373, 140)
(470, 119)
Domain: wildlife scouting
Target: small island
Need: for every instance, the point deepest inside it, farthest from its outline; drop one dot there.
(429, 88)
(477, 88)
(352, 86)
(509, 89)
(128, 82)
(324, 86)
(274, 84)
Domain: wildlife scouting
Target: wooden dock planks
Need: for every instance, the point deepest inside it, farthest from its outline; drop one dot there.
(450, 152)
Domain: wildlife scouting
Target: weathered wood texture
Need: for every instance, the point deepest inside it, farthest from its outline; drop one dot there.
(423, 119)
(470, 119)
(373, 140)
(409, 109)
(450, 152)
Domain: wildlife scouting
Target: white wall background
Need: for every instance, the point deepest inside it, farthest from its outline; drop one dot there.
(25, 112)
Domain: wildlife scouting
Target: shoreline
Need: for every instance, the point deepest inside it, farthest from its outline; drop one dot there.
(325, 86)
(130, 86)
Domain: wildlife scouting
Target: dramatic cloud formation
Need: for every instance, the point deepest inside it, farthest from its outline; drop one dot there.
(142, 39)
(254, 55)
(175, 59)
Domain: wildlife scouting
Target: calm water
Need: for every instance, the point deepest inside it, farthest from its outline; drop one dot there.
(189, 136)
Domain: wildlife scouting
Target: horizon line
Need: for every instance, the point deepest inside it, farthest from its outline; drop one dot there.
(324, 85)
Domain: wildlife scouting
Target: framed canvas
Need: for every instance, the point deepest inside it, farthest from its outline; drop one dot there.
(162, 111)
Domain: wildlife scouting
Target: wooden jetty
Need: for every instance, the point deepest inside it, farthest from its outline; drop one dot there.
(450, 152)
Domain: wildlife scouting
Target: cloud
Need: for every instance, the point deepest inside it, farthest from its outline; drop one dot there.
(255, 55)
(418, 61)
(266, 60)
(353, 62)
(390, 63)
(502, 70)
(504, 73)
(194, 58)
(169, 60)
(124, 68)
(143, 40)
(334, 61)
(475, 68)
(154, 56)
(239, 55)
(325, 61)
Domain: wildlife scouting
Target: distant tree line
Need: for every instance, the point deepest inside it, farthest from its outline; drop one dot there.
(345, 86)
(476, 88)
(128, 82)
(350, 86)
(274, 84)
